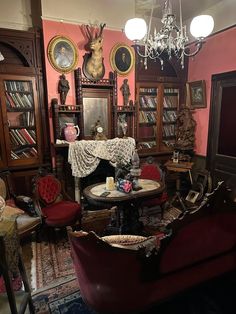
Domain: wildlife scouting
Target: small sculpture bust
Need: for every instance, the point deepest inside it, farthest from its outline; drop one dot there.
(125, 92)
(63, 88)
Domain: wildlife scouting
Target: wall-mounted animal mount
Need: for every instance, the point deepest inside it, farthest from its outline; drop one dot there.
(93, 67)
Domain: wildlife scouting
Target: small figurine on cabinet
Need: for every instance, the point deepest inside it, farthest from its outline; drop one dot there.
(125, 92)
(122, 124)
(98, 132)
(63, 88)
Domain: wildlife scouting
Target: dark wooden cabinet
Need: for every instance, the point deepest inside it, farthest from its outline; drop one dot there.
(94, 101)
(157, 107)
(159, 95)
(21, 126)
(24, 136)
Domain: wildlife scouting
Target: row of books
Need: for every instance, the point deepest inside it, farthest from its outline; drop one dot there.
(169, 116)
(22, 137)
(18, 86)
(21, 119)
(148, 102)
(150, 144)
(171, 91)
(170, 102)
(169, 143)
(169, 130)
(148, 90)
(17, 100)
(147, 117)
(26, 152)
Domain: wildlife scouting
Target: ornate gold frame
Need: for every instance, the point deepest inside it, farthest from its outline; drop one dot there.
(115, 57)
(55, 57)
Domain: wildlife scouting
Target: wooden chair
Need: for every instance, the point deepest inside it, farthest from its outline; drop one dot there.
(26, 224)
(152, 171)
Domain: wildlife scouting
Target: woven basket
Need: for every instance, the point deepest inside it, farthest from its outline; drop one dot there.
(97, 220)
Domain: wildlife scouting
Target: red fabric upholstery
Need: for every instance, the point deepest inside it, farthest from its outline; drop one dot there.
(115, 280)
(62, 213)
(207, 237)
(57, 211)
(111, 280)
(48, 188)
(152, 172)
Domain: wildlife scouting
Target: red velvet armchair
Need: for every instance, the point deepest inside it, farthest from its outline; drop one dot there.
(114, 279)
(152, 171)
(57, 209)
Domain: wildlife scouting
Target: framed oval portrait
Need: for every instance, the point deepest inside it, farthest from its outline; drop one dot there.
(62, 54)
(122, 58)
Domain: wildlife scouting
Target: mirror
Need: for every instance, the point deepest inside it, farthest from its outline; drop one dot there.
(96, 107)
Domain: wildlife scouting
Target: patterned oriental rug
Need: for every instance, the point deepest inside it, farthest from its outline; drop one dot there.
(51, 262)
(62, 297)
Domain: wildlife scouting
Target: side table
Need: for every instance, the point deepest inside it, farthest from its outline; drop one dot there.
(180, 167)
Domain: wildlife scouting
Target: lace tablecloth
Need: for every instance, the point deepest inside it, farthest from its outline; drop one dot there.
(84, 156)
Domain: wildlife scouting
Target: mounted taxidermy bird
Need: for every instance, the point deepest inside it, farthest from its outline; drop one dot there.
(93, 67)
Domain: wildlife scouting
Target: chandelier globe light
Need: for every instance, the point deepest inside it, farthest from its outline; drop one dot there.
(135, 29)
(171, 39)
(201, 26)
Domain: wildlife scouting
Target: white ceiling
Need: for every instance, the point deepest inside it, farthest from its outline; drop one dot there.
(190, 8)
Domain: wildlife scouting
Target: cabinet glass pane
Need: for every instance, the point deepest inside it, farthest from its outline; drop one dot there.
(21, 118)
(147, 117)
(170, 107)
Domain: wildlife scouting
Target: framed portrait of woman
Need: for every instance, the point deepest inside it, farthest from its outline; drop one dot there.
(122, 59)
(62, 54)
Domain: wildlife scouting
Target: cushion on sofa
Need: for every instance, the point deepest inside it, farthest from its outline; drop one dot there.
(133, 242)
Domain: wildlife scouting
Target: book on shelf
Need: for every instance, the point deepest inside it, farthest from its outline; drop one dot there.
(151, 90)
(169, 130)
(22, 136)
(17, 86)
(169, 116)
(27, 136)
(16, 100)
(24, 152)
(170, 102)
(147, 144)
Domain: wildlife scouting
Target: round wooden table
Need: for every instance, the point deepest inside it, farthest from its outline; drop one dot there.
(127, 217)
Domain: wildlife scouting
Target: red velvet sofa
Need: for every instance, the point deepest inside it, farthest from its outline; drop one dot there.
(202, 245)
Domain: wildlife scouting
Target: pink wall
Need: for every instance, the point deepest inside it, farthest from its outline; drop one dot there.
(51, 29)
(218, 55)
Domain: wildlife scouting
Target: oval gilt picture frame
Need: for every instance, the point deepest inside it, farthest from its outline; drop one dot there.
(122, 58)
(62, 54)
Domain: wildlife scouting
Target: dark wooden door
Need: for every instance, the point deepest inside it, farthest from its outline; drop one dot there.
(221, 155)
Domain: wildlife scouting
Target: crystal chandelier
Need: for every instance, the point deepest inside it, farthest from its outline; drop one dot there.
(171, 39)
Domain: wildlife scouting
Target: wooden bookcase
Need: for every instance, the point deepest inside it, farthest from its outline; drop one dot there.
(159, 95)
(21, 124)
(24, 131)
